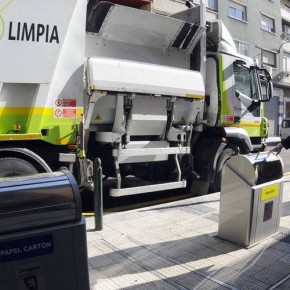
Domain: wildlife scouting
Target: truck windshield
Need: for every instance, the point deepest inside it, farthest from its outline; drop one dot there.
(246, 81)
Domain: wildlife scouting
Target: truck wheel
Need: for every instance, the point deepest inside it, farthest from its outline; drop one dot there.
(226, 154)
(12, 166)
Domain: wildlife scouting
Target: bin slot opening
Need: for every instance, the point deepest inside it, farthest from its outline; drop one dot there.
(269, 171)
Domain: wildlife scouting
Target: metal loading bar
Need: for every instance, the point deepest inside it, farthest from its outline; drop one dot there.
(116, 192)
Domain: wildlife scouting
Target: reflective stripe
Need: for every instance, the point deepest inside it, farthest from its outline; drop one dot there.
(194, 96)
(32, 110)
(249, 124)
(17, 137)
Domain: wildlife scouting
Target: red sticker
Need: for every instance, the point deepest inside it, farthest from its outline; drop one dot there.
(69, 113)
(69, 102)
(228, 118)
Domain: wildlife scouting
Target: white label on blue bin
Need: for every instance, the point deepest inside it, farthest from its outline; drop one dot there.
(30, 277)
(26, 248)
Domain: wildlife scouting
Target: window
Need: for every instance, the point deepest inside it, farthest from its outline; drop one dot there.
(269, 58)
(245, 81)
(286, 124)
(237, 11)
(242, 47)
(246, 84)
(268, 24)
(212, 4)
(286, 29)
(286, 62)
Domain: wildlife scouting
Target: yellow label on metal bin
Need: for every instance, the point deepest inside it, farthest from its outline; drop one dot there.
(270, 192)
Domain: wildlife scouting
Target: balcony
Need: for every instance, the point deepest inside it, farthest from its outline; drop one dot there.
(285, 13)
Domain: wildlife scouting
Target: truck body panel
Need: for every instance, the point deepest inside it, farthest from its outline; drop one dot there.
(43, 81)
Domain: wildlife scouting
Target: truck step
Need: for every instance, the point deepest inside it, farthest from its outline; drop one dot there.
(115, 192)
(148, 154)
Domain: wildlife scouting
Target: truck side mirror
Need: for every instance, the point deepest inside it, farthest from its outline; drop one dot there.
(266, 79)
(269, 91)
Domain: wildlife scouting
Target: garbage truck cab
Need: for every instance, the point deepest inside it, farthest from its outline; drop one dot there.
(234, 82)
(234, 110)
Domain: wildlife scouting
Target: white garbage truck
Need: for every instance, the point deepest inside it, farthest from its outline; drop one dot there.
(163, 101)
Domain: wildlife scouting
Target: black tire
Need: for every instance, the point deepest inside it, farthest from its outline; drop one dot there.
(226, 154)
(12, 166)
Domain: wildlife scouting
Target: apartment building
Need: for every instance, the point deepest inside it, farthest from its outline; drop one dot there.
(284, 51)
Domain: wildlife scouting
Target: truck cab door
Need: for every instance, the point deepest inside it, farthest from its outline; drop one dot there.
(248, 110)
(247, 105)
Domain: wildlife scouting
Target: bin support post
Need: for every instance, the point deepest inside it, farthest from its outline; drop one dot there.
(98, 195)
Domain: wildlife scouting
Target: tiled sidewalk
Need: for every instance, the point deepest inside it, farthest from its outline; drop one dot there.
(175, 246)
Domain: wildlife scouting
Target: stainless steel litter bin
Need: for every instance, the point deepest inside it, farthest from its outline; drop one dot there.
(42, 233)
(251, 197)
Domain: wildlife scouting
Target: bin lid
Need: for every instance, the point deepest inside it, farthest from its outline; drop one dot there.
(257, 168)
(39, 200)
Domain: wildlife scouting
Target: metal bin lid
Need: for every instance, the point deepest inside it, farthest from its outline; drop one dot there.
(39, 200)
(257, 168)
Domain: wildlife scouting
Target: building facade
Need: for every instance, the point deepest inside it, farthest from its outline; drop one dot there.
(284, 76)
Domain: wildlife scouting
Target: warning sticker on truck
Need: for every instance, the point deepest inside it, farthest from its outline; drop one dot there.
(65, 108)
(58, 113)
(69, 102)
(65, 102)
(58, 102)
(65, 113)
(226, 118)
(69, 113)
(98, 117)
